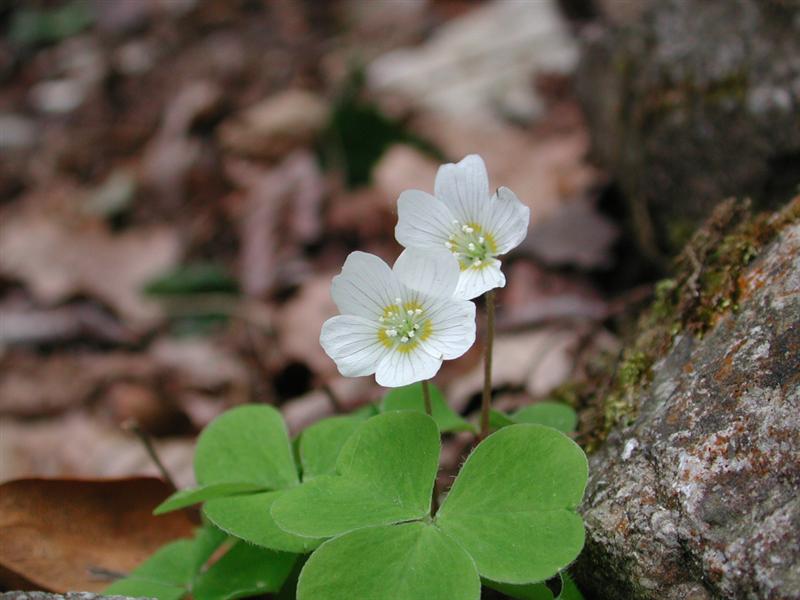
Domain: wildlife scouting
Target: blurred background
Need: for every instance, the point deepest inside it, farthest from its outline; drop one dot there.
(180, 179)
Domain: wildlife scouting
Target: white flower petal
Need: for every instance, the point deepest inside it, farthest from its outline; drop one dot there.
(452, 327)
(352, 342)
(507, 220)
(365, 286)
(464, 188)
(432, 271)
(474, 282)
(422, 220)
(397, 369)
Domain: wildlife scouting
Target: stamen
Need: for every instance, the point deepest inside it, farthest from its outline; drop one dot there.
(481, 240)
(391, 333)
(381, 319)
(417, 311)
(476, 262)
(411, 334)
(398, 300)
(471, 246)
(404, 339)
(448, 245)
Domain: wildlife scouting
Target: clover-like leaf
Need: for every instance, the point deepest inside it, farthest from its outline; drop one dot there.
(410, 398)
(412, 561)
(512, 506)
(552, 414)
(385, 474)
(165, 575)
(248, 517)
(246, 444)
(184, 498)
(244, 570)
(320, 444)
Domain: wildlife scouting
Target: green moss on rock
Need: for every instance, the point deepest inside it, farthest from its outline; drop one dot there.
(706, 285)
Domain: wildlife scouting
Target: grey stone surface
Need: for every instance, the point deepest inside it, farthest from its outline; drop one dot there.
(700, 497)
(690, 102)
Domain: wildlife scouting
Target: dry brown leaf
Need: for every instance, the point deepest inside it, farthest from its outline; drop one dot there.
(300, 320)
(275, 126)
(281, 214)
(535, 296)
(577, 234)
(543, 170)
(401, 168)
(78, 446)
(537, 360)
(61, 534)
(56, 261)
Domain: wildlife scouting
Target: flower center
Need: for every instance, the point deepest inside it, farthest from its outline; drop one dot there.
(403, 325)
(471, 245)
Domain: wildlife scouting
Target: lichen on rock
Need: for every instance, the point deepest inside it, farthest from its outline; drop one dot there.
(695, 493)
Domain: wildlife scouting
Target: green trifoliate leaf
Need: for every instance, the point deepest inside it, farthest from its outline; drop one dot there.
(539, 591)
(410, 398)
(166, 575)
(207, 539)
(320, 444)
(570, 590)
(246, 444)
(498, 420)
(184, 498)
(412, 561)
(244, 571)
(528, 591)
(552, 414)
(248, 517)
(385, 475)
(512, 506)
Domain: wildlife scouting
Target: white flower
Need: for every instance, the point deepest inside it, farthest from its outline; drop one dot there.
(463, 219)
(398, 323)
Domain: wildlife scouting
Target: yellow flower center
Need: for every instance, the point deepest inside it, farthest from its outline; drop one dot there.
(403, 326)
(471, 245)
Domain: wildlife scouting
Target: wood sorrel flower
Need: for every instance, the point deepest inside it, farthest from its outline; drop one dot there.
(463, 219)
(398, 323)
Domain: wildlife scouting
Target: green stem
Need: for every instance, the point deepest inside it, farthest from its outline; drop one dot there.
(486, 403)
(426, 396)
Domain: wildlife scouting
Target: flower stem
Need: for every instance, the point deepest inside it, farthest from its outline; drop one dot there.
(426, 396)
(486, 403)
(133, 426)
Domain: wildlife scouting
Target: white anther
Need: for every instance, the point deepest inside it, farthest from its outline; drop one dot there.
(476, 262)
(398, 300)
(417, 311)
(411, 334)
(448, 245)
(481, 240)
(404, 339)
(381, 319)
(410, 312)
(391, 332)
(471, 246)
(452, 237)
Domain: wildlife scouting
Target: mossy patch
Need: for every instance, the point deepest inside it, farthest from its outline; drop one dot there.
(706, 285)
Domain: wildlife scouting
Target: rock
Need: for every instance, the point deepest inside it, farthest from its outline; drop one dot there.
(275, 126)
(691, 102)
(698, 497)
